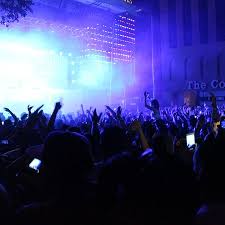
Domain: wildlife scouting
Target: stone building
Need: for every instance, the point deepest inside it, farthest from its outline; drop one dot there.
(188, 48)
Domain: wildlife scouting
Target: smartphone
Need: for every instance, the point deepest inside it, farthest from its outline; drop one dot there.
(4, 142)
(35, 165)
(190, 138)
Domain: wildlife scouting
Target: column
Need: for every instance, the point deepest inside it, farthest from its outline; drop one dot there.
(195, 22)
(180, 34)
(212, 21)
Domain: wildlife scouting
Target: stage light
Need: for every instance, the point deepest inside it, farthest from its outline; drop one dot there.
(111, 47)
(30, 69)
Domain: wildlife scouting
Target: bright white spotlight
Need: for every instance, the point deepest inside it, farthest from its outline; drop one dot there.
(30, 71)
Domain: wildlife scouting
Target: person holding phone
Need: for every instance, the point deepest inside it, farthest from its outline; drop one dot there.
(64, 171)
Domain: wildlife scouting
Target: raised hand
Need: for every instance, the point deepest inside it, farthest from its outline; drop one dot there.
(95, 117)
(107, 107)
(7, 110)
(111, 111)
(82, 109)
(58, 106)
(52, 119)
(119, 112)
(38, 109)
(33, 117)
(29, 108)
(12, 114)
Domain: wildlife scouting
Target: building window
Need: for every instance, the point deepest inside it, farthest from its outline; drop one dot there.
(171, 70)
(172, 23)
(202, 68)
(155, 34)
(218, 62)
(203, 21)
(187, 22)
(186, 68)
(220, 20)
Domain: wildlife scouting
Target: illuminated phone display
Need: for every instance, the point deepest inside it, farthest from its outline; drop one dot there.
(35, 165)
(190, 138)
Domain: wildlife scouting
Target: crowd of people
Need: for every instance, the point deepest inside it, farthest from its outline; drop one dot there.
(113, 167)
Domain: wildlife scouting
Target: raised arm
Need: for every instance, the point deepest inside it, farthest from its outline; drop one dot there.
(95, 121)
(51, 122)
(215, 112)
(146, 104)
(120, 118)
(16, 120)
(111, 111)
(95, 133)
(29, 108)
(33, 118)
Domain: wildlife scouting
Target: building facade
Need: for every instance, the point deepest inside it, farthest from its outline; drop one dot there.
(188, 49)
